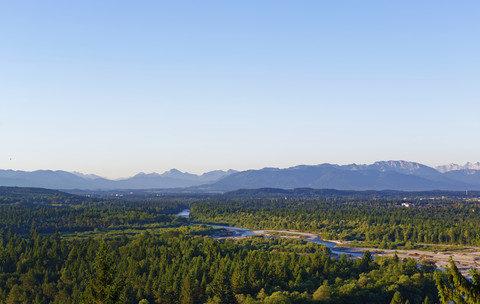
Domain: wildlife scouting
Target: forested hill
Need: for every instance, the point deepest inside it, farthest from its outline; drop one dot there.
(308, 193)
(36, 196)
(47, 196)
(50, 211)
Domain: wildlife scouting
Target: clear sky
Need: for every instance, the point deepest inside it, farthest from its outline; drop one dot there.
(118, 87)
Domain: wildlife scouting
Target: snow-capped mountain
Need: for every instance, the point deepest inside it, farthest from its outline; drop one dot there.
(453, 167)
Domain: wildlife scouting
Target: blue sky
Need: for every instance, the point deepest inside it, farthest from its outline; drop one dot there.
(118, 87)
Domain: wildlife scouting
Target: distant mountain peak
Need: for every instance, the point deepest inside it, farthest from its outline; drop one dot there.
(454, 167)
(145, 174)
(174, 172)
(473, 166)
(398, 164)
(87, 176)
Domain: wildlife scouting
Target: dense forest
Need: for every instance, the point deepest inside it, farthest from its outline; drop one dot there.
(50, 211)
(386, 222)
(62, 248)
(181, 266)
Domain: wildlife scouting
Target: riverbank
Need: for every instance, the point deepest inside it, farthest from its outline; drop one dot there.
(465, 259)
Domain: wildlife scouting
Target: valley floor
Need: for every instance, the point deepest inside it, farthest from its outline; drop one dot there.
(466, 258)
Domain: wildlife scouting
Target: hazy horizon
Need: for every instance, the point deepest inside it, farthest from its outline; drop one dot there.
(116, 88)
(224, 169)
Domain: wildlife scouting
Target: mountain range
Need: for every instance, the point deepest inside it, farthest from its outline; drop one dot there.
(75, 180)
(392, 175)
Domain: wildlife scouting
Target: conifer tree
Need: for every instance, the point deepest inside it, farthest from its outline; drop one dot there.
(397, 298)
(105, 287)
(322, 294)
(15, 296)
(426, 301)
(189, 293)
(221, 288)
(452, 286)
(239, 281)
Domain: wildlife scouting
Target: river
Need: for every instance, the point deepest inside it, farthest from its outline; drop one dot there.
(184, 213)
(467, 259)
(309, 237)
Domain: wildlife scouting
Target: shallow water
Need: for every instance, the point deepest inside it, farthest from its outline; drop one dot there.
(184, 213)
(243, 232)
